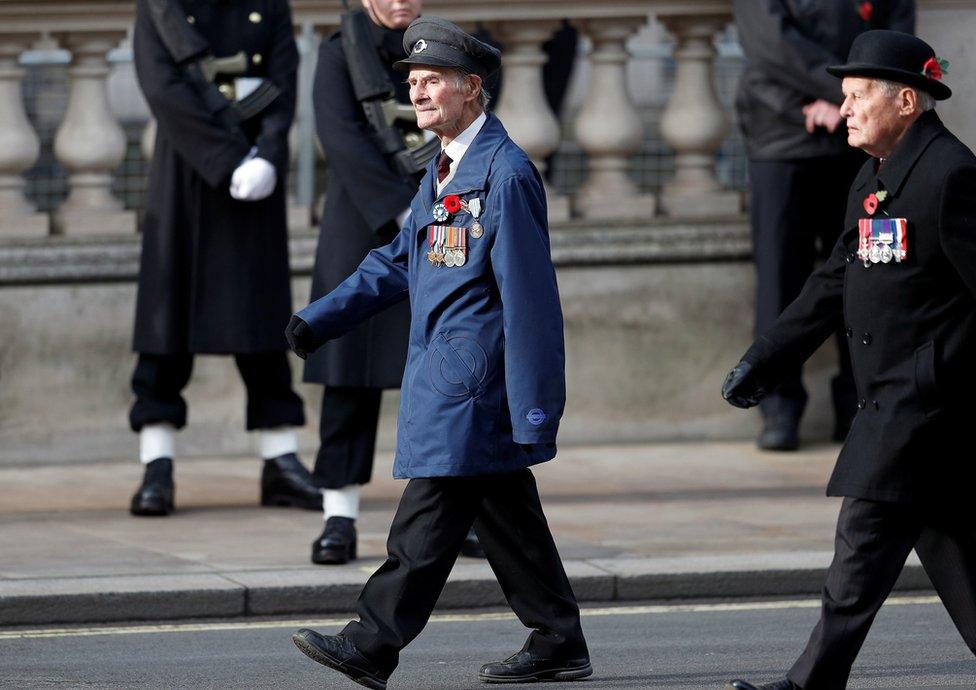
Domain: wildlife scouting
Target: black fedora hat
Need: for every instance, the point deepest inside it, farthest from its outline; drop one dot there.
(897, 57)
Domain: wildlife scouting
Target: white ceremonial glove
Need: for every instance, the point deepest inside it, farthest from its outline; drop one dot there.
(253, 180)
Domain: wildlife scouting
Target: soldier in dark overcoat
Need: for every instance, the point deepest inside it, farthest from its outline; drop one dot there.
(214, 276)
(788, 110)
(366, 202)
(901, 282)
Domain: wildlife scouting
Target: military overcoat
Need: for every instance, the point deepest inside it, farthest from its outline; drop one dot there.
(364, 196)
(484, 386)
(911, 324)
(214, 272)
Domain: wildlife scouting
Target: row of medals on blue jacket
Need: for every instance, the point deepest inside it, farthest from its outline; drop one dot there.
(453, 256)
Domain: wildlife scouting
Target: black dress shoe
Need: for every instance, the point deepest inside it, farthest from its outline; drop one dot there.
(155, 495)
(526, 667)
(779, 432)
(778, 685)
(286, 482)
(337, 543)
(471, 546)
(336, 652)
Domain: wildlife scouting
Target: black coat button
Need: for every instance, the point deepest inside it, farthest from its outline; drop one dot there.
(876, 405)
(866, 338)
(850, 257)
(862, 403)
(850, 332)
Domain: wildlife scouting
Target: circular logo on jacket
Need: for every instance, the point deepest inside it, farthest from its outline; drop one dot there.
(536, 416)
(420, 46)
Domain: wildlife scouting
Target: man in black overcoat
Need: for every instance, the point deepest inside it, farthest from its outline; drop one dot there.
(789, 110)
(901, 282)
(214, 275)
(366, 202)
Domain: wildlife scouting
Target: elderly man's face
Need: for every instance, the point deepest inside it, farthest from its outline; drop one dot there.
(875, 120)
(393, 14)
(435, 95)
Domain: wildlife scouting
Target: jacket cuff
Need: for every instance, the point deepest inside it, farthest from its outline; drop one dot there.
(534, 435)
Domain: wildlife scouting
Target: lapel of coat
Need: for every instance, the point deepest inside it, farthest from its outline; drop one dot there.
(899, 164)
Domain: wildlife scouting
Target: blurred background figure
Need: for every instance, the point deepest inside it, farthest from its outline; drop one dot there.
(800, 166)
(219, 78)
(368, 199)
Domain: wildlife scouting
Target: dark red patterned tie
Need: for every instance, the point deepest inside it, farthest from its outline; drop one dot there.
(443, 166)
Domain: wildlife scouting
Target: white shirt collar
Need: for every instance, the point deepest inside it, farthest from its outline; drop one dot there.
(457, 148)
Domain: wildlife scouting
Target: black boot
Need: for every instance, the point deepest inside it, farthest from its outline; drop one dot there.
(286, 482)
(779, 432)
(338, 653)
(337, 543)
(528, 667)
(155, 495)
(778, 685)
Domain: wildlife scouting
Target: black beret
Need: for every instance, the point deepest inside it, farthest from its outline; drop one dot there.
(437, 42)
(895, 56)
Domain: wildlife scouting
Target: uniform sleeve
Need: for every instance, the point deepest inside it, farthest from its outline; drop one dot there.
(957, 224)
(806, 323)
(202, 137)
(902, 17)
(380, 281)
(773, 44)
(355, 160)
(277, 118)
(531, 314)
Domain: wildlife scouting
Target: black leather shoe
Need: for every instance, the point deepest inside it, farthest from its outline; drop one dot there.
(286, 482)
(471, 546)
(779, 432)
(337, 543)
(526, 667)
(155, 495)
(778, 685)
(336, 652)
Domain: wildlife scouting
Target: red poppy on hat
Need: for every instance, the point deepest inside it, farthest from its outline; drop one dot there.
(871, 203)
(865, 10)
(452, 203)
(932, 69)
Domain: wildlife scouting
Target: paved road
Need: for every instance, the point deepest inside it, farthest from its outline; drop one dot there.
(913, 645)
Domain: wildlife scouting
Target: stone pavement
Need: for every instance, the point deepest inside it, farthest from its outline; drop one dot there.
(635, 522)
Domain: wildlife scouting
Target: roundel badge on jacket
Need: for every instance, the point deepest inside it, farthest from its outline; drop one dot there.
(536, 416)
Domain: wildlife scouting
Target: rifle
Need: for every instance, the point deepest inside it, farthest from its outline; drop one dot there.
(375, 92)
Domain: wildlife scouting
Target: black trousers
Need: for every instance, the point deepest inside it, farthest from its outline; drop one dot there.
(797, 213)
(873, 542)
(347, 436)
(159, 380)
(432, 520)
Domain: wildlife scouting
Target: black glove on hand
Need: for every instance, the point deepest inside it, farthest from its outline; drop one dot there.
(300, 337)
(742, 387)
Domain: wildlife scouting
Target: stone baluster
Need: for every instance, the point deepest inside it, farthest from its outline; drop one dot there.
(19, 145)
(608, 127)
(522, 106)
(90, 143)
(694, 123)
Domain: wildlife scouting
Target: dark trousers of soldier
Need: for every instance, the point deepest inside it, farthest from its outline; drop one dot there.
(431, 522)
(873, 541)
(347, 434)
(796, 206)
(158, 382)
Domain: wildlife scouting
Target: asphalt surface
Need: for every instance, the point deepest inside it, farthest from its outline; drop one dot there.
(912, 645)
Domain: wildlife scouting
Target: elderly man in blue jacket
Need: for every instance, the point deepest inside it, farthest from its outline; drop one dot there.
(484, 386)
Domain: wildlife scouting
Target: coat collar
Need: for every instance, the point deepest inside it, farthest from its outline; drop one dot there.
(472, 171)
(891, 175)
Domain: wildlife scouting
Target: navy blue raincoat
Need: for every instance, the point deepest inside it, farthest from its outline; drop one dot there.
(484, 386)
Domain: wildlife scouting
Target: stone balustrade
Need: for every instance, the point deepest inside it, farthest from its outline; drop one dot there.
(608, 129)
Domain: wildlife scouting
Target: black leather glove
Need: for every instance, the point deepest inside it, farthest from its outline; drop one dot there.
(742, 387)
(300, 337)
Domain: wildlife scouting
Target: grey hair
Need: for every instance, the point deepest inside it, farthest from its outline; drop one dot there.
(926, 101)
(461, 81)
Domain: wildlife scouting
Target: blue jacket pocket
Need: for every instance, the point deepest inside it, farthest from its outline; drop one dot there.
(457, 366)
